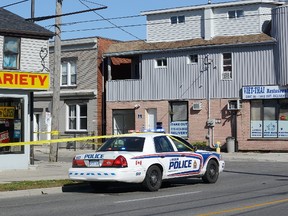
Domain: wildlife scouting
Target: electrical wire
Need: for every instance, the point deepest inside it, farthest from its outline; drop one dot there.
(12, 4)
(81, 1)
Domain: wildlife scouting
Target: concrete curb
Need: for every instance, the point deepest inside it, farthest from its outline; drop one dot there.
(31, 192)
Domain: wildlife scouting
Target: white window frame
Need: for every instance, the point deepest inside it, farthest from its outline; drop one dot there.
(191, 59)
(77, 117)
(236, 14)
(11, 48)
(163, 63)
(69, 65)
(225, 73)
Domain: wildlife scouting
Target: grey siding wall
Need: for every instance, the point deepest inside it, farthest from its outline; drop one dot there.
(280, 32)
(159, 27)
(30, 60)
(86, 68)
(249, 24)
(251, 66)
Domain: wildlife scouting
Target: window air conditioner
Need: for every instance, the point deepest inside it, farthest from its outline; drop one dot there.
(197, 106)
(234, 104)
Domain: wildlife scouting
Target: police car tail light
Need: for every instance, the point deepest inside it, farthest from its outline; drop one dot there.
(120, 161)
(78, 163)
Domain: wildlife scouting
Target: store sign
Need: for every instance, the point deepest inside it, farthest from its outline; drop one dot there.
(179, 128)
(264, 92)
(7, 112)
(24, 80)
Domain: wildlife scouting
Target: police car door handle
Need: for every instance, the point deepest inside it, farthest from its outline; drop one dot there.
(182, 155)
(162, 156)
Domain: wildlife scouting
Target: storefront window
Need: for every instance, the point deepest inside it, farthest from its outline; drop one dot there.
(11, 130)
(269, 118)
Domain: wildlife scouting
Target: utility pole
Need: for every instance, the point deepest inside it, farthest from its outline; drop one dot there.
(31, 101)
(53, 156)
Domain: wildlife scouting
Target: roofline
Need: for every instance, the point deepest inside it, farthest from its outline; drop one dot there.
(118, 54)
(213, 5)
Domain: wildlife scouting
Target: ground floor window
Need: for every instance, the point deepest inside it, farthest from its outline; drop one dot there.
(269, 118)
(77, 117)
(11, 125)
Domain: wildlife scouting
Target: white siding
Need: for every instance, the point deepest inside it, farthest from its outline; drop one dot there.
(249, 24)
(159, 27)
(30, 59)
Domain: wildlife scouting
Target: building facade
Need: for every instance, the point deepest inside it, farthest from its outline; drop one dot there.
(22, 73)
(81, 92)
(202, 74)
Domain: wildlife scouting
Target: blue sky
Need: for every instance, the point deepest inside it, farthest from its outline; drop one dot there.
(115, 9)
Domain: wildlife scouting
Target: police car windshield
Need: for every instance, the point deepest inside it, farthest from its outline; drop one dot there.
(133, 144)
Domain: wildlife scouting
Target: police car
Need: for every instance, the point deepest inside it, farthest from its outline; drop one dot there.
(147, 158)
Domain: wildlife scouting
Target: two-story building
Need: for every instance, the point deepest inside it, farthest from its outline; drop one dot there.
(23, 60)
(206, 72)
(81, 92)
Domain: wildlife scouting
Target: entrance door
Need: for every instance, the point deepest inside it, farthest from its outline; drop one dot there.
(123, 121)
(151, 119)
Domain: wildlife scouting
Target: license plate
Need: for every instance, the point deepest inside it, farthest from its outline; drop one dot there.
(94, 163)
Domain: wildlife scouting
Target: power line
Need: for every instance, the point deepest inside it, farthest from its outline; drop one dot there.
(12, 4)
(81, 1)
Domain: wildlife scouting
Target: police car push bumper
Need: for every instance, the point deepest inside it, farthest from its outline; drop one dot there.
(112, 174)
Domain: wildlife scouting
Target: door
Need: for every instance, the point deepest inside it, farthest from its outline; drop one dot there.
(123, 121)
(151, 119)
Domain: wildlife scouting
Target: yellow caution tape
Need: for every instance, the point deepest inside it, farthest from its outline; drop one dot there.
(51, 132)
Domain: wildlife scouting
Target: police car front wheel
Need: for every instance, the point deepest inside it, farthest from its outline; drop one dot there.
(153, 179)
(212, 172)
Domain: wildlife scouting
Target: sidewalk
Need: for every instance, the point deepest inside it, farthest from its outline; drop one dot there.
(44, 170)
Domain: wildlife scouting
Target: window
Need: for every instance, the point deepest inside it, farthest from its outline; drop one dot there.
(227, 66)
(161, 63)
(192, 59)
(269, 118)
(235, 14)
(11, 125)
(177, 19)
(77, 117)
(11, 53)
(68, 73)
(181, 144)
(132, 144)
(162, 144)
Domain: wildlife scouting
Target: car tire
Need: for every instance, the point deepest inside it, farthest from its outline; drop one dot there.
(212, 172)
(153, 179)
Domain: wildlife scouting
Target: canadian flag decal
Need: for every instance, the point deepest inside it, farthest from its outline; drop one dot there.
(138, 162)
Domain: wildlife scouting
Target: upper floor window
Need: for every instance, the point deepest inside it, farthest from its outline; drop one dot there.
(161, 63)
(177, 19)
(227, 66)
(77, 117)
(235, 14)
(68, 73)
(192, 59)
(11, 53)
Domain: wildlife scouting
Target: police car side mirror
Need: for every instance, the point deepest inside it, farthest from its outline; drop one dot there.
(195, 148)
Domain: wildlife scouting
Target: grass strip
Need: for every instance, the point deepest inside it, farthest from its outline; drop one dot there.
(25, 185)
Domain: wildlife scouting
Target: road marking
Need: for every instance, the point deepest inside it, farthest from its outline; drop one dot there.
(245, 207)
(158, 197)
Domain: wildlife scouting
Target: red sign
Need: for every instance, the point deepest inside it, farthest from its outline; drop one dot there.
(4, 137)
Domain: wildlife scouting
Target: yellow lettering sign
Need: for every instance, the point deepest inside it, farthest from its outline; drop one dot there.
(7, 112)
(24, 80)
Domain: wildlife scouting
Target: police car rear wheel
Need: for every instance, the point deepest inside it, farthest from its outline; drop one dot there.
(212, 172)
(153, 179)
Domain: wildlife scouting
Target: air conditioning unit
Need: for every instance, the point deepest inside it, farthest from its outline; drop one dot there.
(197, 106)
(234, 104)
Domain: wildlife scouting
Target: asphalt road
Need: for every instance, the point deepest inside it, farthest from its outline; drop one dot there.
(245, 188)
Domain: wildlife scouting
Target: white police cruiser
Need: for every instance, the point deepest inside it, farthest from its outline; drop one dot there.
(147, 158)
